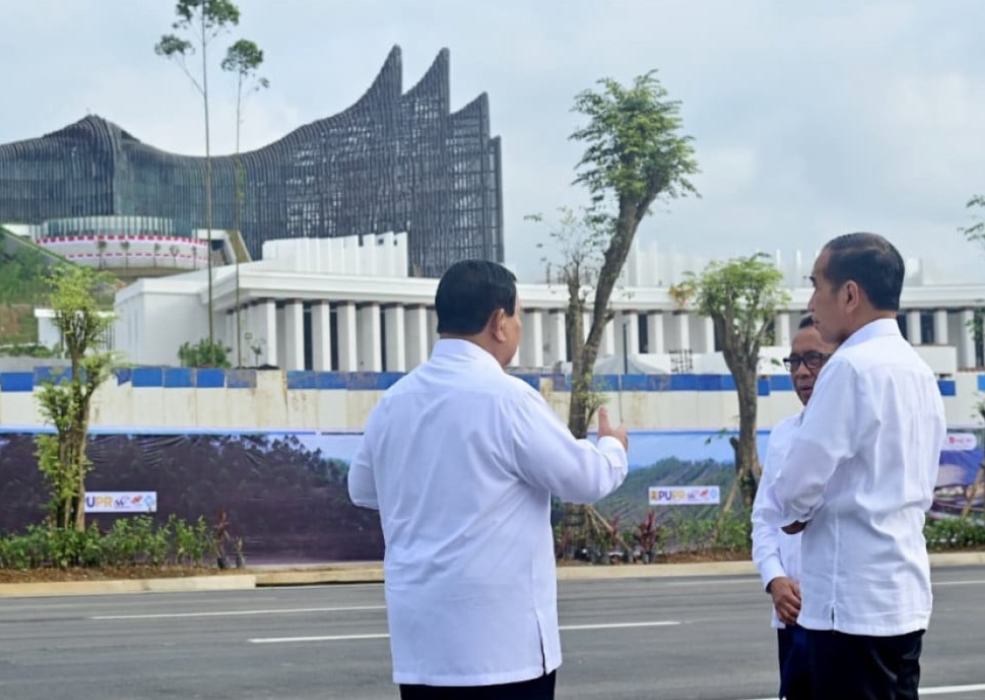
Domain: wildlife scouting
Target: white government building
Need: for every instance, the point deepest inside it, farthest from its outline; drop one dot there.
(347, 304)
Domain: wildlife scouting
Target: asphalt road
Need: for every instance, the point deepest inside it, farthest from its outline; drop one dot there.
(656, 639)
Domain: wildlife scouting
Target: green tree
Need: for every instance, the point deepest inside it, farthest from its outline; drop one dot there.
(742, 297)
(635, 155)
(580, 239)
(243, 59)
(203, 21)
(65, 401)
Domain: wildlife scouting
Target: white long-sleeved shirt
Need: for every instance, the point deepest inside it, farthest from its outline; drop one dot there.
(860, 471)
(774, 553)
(461, 460)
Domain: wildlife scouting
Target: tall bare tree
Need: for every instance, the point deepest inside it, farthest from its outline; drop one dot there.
(202, 21)
(244, 59)
(635, 155)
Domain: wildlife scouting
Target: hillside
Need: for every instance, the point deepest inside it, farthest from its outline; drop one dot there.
(631, 500)
(24, 287)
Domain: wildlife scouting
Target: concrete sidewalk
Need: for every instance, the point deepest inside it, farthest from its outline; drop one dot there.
(372, 572)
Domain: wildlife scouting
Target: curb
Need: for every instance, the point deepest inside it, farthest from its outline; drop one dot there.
(149, 585)
(373, 573)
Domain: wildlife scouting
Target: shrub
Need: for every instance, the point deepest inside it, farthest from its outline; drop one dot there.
(130, 542)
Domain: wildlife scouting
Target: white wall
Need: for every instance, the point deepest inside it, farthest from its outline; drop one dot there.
(272, 406)
(155, 319)
(189, 254)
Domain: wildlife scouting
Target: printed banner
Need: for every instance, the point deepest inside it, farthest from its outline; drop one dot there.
(121, 502)
(684, 495)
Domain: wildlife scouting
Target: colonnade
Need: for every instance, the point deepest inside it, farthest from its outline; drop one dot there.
(371, 337)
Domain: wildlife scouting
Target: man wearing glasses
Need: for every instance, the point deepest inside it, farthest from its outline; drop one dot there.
(777, 555)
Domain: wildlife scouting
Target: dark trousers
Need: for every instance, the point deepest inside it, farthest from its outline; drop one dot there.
(795, 680)
(854, 667)
(537, 689)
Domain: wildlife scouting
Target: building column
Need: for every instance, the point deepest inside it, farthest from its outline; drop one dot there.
(557, 340)
(586, 324)
(708, 333)
(940, 327)
(914, 329)
(347, 330)
(966, 349)
(396, 357)
(631, 319)
(294, 335)
(432, 336)
(781, 326)
(608, 344)
(655, 333)
(532, 346)
(370, 350)
(321, 336)
(267, 317)
(683, 321)
(416, 332)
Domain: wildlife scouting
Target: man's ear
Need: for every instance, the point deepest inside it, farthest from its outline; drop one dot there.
(852, 295)
(497, 325)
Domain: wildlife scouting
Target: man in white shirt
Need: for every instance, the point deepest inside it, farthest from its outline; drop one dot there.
(858, 479)
(777, 555)
(461, 460)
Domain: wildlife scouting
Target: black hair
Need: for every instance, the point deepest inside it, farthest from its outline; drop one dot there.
(870, 261)
(805, 322)
(470, 292)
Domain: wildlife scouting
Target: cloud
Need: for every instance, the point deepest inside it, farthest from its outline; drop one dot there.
(809, 119)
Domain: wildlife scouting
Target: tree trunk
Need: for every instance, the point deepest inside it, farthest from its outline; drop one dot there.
(973, 490)
(746, 453)
(208, 189)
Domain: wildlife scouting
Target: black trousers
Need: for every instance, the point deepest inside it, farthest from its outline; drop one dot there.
(795, 680)
(537, 689)
(854, 667)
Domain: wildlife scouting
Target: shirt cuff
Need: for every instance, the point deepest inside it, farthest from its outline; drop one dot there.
(770, 568)
(609, 441)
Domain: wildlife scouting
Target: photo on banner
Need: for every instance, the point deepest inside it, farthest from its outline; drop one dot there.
(285, 493)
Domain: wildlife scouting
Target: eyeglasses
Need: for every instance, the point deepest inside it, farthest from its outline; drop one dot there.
(811, 360)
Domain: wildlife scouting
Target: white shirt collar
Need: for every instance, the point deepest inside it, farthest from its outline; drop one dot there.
(873, 329)
(455, 347)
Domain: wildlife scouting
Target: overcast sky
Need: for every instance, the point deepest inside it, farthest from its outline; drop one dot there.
(810, 119)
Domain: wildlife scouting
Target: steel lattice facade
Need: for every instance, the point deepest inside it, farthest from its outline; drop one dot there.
(393, 161)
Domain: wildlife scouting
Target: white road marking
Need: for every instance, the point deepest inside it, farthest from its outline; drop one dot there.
(952, 689)
(977, 582)
(231, 613)
(939, 690)
(354, 637)
(723, 582)
(619, 625)
(336, 638)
